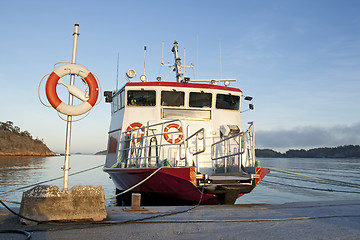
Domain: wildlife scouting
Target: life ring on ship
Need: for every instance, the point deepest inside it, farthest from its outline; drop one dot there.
(88, 101)
(133, 126)
(166, 136)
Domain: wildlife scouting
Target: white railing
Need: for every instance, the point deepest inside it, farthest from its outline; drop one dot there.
(154, 146)
(234, 153)
(194, 145)
(147, 147)
(250, 144)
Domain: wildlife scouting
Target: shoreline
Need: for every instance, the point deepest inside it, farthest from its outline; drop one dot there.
(26, 155)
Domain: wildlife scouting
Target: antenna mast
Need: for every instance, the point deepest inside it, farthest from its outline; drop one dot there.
(117, 73)
(179, 73)
(220, 59)
(162, 54)
(144, 60)
(177, 66)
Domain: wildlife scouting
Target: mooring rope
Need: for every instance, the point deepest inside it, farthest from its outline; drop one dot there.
(328, 181)
(38, 183)
(311, 188)
(136, 185)
(349, 185)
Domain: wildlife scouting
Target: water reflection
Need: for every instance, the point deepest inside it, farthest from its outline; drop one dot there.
(17, 172)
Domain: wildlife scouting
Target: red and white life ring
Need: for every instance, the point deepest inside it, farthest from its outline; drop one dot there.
(55, 101)
(133, 126)
(166, 136)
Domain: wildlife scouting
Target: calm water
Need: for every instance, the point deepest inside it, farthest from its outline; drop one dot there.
(276, 188)
(342, 181)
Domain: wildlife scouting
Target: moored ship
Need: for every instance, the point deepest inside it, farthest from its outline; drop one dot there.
(181, 142)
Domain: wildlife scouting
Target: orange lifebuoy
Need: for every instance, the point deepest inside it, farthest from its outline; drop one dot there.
(56, 78)
(133, 126)
(166, 136)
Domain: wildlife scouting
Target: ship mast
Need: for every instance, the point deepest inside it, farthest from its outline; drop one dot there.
(179, 73)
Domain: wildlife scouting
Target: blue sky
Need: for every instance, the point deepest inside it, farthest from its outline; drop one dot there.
(299, 59)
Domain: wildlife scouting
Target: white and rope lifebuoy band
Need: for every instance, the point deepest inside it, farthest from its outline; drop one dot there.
(179, 133)
(133, 126)
(88, 101)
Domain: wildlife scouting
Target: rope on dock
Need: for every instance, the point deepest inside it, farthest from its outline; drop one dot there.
(247, 220)
(17, 231)
(105, 222)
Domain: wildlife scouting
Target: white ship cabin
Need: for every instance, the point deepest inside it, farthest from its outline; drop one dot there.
(179, 124)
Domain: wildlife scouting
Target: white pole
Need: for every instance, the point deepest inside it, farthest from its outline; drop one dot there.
(145, 60)
(184, 61)
(69, 118)
(117, 74)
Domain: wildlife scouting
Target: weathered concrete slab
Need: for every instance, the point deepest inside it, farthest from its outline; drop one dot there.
(49, 203)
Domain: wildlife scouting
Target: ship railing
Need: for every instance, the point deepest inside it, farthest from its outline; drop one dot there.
(146, 147)
(250, 144)
(234, 153)
(193, 145)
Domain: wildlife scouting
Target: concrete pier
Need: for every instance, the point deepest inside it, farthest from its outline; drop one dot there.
(304, 220)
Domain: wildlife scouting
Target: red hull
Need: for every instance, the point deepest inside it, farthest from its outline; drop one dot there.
(177, 185)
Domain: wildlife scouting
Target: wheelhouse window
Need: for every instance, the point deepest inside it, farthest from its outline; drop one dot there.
(172, 98)
(200, 99)
(118, 101)
(228, 101)
(141, 98)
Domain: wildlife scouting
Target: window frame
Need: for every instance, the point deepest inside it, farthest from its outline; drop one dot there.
(169, 91)
(199, 93)
(237, 106)
(142, 105)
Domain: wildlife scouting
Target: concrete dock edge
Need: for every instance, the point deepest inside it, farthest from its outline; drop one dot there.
(304, 220)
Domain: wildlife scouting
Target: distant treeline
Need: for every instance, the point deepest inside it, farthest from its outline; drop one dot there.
(13, 141)
(10, 127)
(347, 151)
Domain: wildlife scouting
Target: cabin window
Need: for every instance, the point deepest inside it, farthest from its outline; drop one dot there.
(200, 99)
(141, 98)
(118, 101)
(172, 98)
(227, 101)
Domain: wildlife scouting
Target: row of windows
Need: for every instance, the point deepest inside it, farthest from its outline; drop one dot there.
(175, 99)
